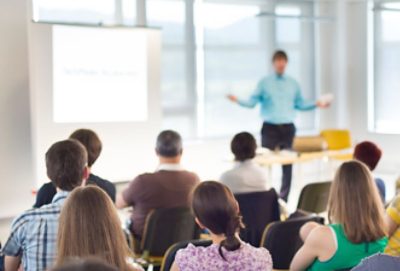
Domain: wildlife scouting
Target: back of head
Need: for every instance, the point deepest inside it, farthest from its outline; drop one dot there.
(243, 146)
(91, 141)
(354, 203)
(169, 144)
(215, 207)
(85, 265)
(368, 153)
(89, 226)
(66, 161)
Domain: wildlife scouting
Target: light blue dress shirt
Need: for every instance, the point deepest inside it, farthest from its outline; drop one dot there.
(279, 96)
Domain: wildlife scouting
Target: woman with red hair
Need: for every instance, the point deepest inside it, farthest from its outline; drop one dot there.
(369, 153)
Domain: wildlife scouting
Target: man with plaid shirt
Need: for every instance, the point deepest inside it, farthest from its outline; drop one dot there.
(33, 238)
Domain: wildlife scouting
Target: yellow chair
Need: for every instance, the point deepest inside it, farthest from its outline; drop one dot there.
(337, 139)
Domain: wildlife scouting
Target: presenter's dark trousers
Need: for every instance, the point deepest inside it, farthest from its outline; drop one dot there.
(280, 137)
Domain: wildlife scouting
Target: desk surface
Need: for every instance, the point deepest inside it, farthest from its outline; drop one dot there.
(269, 158)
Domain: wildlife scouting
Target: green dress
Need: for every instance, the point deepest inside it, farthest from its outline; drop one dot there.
(347, 254)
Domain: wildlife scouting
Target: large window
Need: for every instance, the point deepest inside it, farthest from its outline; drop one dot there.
(234, 59)
(177, 79)
(226, 48)
(385, 65)
(67, 11)
(211, 48)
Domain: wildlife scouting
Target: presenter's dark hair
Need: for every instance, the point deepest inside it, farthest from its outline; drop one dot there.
(243, 146)
(169, 144)
(65, 163)
(91, 141)
(368, 153)
(279, 54)
(216, 208)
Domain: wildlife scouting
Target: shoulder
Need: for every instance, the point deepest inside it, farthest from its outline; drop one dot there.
(46, 186)
(393, 211)
(395, 203)
(254, 167)
(47, 189)
(320, 236)
(190, 254)
(103, 183)
(98, 180)
(193, 176)
(227, 175)
(33, 215)
(290, 78)
(259, 253)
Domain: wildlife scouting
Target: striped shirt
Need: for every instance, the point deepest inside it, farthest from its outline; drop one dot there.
(34, 235)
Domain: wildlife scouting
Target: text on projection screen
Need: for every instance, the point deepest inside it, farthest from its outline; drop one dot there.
(99, 75)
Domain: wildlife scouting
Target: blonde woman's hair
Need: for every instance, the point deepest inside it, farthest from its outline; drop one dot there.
(90, 227)
(354, 203)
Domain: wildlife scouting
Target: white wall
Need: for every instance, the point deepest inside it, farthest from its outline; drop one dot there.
(15, 135)
(357, 88)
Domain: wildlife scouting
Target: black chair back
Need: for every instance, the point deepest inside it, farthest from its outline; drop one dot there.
(165, 227)
(282, 239)
(314, 197)
(169, 256)
(258, 210)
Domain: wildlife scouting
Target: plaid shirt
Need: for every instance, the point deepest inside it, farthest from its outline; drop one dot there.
(34, 235)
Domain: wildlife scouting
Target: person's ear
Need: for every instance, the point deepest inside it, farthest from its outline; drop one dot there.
(86, 173)
(199, 223)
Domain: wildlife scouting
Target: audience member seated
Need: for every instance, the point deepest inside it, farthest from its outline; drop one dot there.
(93, 145)
(358, 228)
(216, 210)
(34, 233)
(168, 187)
(379, 262)
(90, 227)
(91, 264)
(246, 176)
(392, 219)
(370, 154)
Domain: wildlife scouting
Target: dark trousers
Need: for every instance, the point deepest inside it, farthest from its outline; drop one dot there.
(279, 137)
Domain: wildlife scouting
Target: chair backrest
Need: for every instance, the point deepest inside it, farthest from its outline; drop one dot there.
(169, 256)
(282, 239)
(337, 139)
(314, 197)
(304, 144)
(165, 227)
(258, 210)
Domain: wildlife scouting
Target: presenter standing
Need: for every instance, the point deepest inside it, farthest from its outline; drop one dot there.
(279, 96)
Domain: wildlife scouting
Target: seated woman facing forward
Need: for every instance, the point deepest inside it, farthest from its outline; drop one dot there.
(357, 230)
(216, 210)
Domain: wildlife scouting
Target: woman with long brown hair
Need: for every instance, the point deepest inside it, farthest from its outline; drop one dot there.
(90, 227)
(357, 230)
(216, 210)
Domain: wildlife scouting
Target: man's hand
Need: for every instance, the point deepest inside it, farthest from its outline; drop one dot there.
(321, 104)
(232, 98)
